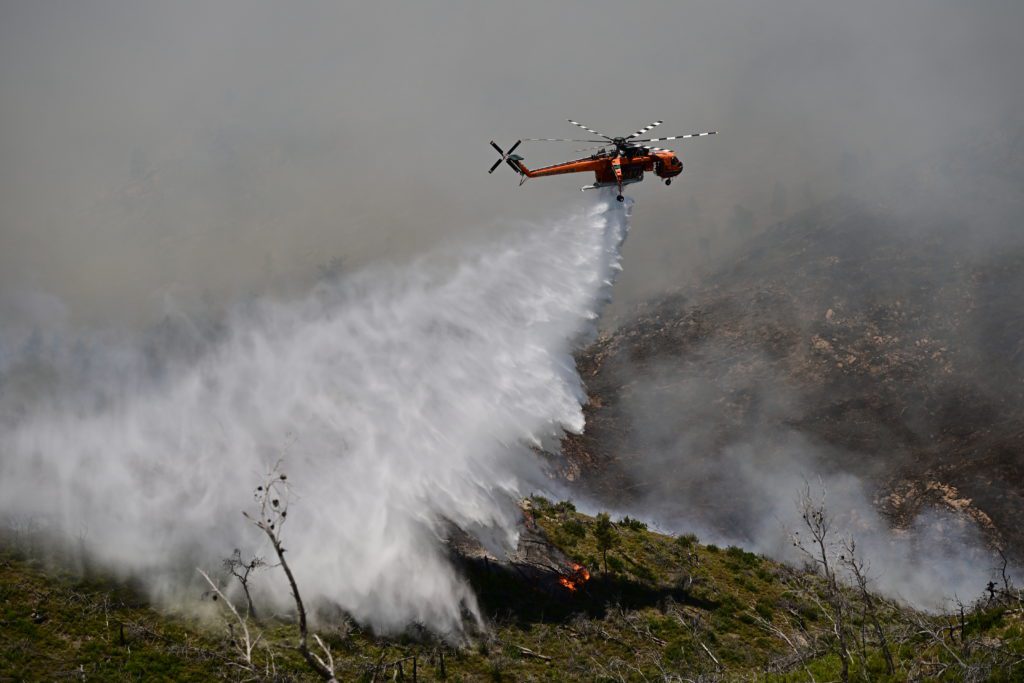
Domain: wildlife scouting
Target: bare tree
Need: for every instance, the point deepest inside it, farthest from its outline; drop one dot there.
(818, 548)
(858, 570)
(245, 641)
(272, 498)
(933, 632)
(241, 570)
(1010, 592)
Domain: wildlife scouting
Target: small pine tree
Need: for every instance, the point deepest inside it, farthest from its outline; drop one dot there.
(604, 534)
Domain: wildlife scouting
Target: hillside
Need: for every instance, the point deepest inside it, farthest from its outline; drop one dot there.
(853, 339)
(668, 608)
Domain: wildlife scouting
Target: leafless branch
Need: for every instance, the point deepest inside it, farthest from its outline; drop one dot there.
(273, 497)
(858, 570)
(771, 628)
(530, 653)
(247, 643)
(241, 570)
(818, 548)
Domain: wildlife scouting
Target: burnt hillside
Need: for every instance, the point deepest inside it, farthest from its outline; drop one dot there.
(879, 343)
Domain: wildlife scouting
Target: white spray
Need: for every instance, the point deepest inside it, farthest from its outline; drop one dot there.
(398, 398)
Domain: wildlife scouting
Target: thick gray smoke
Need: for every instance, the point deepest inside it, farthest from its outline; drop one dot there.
(200, 148)
(398, 399)
(753, 489)
(740, 483)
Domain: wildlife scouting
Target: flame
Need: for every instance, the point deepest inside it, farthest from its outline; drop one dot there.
(576, 578)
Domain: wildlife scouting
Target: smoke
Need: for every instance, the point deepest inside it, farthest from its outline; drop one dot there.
(734, 474)
(939, 556)
(200, 148)
(868, 344)
(193, 154)
(399, 399)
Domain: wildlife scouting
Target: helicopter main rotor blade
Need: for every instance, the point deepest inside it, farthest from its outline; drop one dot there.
(589, 130)
(677, 137)
(587, 149)
(646, 129)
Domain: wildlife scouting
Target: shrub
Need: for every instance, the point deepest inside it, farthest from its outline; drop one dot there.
(764, 609)
(675, 651)
(644, 573)
(634, 524)
(728, 606)
(744, 582)
(574, 528)
(541, 506)
(569, 533)
(686, 541)
(741, 556)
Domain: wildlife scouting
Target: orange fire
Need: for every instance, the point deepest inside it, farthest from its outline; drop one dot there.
(576, 578)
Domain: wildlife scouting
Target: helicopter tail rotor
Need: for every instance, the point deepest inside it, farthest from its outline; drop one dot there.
(511, 159)
(505, 156)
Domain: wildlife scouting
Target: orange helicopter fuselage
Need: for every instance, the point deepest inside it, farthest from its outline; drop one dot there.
(612, 168)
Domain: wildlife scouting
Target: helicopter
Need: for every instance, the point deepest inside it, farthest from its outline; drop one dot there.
(618, 161)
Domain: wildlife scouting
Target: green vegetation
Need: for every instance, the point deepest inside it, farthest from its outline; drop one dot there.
(666, 608)
(634, 524)
(605, 537)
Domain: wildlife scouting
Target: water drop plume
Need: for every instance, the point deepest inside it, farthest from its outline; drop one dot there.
(400, 398)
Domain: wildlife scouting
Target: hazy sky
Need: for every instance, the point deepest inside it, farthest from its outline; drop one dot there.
(184, 148)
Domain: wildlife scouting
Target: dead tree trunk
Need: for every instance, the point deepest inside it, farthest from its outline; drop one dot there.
(819, 524)
(273, 512)
(857, 569)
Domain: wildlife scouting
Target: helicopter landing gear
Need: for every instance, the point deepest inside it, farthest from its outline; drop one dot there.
(620, 198)
(668, 181)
